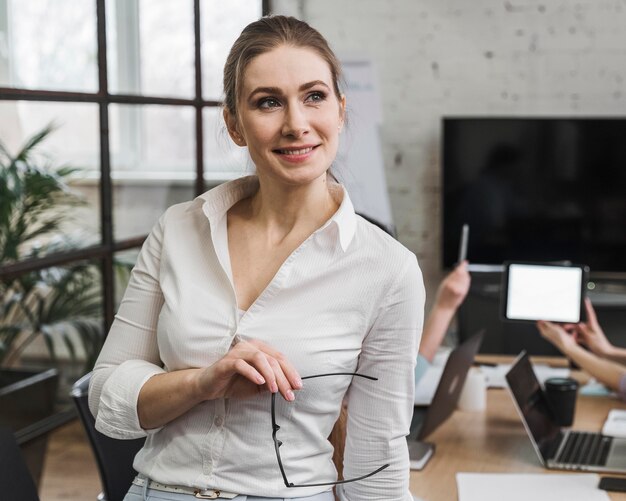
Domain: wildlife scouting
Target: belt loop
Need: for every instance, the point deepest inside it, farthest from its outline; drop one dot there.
(145, 488)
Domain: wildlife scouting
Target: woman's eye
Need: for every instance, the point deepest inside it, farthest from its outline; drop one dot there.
(316, 97)
(268, 102)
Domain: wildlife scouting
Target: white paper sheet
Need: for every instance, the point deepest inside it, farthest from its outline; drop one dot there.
(495, 374)
(529, 487)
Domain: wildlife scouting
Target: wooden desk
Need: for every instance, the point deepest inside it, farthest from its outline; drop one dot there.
(494, 441)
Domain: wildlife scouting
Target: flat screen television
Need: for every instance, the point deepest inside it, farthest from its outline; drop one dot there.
(536, 189)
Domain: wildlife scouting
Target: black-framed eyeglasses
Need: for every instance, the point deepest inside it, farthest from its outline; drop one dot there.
(278, 443)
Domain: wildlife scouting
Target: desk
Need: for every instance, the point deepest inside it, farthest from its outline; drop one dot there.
(494, 441)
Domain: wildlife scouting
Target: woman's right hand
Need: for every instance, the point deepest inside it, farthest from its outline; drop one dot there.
(248, 368)
(453, 288)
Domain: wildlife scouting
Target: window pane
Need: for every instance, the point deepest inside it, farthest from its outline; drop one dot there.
(151, 47)
(71, 218)
(56, 314)
(223, 159)
(152, 162)
(220, 25)
(49, 44)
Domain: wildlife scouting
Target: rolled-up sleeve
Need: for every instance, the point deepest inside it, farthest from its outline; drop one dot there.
(130, 354)
(379, 412)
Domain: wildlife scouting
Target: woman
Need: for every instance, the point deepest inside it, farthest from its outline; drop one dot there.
(601, 359)
(255, 285)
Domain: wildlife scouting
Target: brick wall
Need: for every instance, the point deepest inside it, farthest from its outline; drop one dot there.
(484, 57)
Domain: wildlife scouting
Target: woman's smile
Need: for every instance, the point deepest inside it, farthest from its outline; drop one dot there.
(296, 154)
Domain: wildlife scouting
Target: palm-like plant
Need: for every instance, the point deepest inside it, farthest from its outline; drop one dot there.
(58, 304)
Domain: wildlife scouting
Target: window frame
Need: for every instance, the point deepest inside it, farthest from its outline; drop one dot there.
(104, 252)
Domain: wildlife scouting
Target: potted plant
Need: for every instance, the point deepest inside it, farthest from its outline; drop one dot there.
(60, 305)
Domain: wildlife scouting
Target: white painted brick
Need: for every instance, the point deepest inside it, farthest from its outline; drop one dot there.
(484, 57)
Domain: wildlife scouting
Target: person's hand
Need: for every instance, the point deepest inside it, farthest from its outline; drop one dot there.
(247, 369)
(558, 336)
(454, 288)
(591, 334)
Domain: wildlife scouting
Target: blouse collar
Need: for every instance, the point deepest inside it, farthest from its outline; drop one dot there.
(217, 202)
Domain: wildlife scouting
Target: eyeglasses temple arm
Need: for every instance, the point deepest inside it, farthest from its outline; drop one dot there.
(372, 378)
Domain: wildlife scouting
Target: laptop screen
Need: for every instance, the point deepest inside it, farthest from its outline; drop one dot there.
(450, 385)
(532, 404)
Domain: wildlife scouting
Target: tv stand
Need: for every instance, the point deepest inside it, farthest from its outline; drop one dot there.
(608, 293)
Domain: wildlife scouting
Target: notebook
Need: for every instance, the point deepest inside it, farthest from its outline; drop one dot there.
(559, 448)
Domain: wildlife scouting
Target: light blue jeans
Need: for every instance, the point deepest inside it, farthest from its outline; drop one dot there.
(136, 493)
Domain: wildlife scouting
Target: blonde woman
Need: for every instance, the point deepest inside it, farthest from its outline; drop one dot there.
(241, 295)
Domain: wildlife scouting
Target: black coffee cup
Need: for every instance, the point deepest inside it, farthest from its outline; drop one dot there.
(561, 393)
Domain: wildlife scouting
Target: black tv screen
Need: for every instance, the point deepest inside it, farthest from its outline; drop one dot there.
(536, 189)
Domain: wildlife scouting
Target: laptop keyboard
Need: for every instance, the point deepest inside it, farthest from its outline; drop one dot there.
(585, 449)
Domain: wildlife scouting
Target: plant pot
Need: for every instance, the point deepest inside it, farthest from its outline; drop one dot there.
(27, 407)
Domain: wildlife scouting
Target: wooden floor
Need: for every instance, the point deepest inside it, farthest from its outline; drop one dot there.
(70, 471)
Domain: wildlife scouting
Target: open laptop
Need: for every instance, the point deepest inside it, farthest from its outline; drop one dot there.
(559, 448)
(426, 420)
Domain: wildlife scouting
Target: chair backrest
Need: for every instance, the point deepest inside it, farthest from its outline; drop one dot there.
(114, 457)
(16, 483)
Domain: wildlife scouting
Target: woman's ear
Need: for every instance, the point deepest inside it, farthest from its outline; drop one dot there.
(342, 111)
(233, 129)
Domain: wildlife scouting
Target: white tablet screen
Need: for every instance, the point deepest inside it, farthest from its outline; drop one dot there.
(538, 292)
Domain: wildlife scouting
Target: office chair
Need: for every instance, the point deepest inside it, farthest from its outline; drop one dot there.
(114, 457)
(16, 483)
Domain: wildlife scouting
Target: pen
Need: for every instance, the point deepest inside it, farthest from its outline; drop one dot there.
(463, 243)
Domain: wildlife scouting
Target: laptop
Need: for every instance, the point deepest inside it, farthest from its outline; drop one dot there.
(426, 420)
(559, 448)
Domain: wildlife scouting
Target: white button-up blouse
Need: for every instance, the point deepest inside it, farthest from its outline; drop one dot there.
(349, 299)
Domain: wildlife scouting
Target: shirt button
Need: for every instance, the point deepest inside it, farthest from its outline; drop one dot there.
(219, 421)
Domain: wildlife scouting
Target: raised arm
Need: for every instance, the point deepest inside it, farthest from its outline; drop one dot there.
(450, 294)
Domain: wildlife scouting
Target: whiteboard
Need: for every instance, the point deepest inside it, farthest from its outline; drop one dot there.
(360, 167)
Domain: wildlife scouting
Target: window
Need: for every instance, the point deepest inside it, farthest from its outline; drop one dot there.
(132, 88)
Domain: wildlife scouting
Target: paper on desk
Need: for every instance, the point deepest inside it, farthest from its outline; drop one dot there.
(495, 375)
(529, 487)
(427, 385)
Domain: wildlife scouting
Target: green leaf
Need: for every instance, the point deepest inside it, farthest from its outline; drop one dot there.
(36, 203)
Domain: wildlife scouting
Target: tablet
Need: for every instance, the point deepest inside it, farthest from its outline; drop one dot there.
(534, 291)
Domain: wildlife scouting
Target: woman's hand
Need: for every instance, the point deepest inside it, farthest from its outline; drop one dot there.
(607, 372)
(591, 334)
(247, 369)
(454, 288)
(565, 341)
